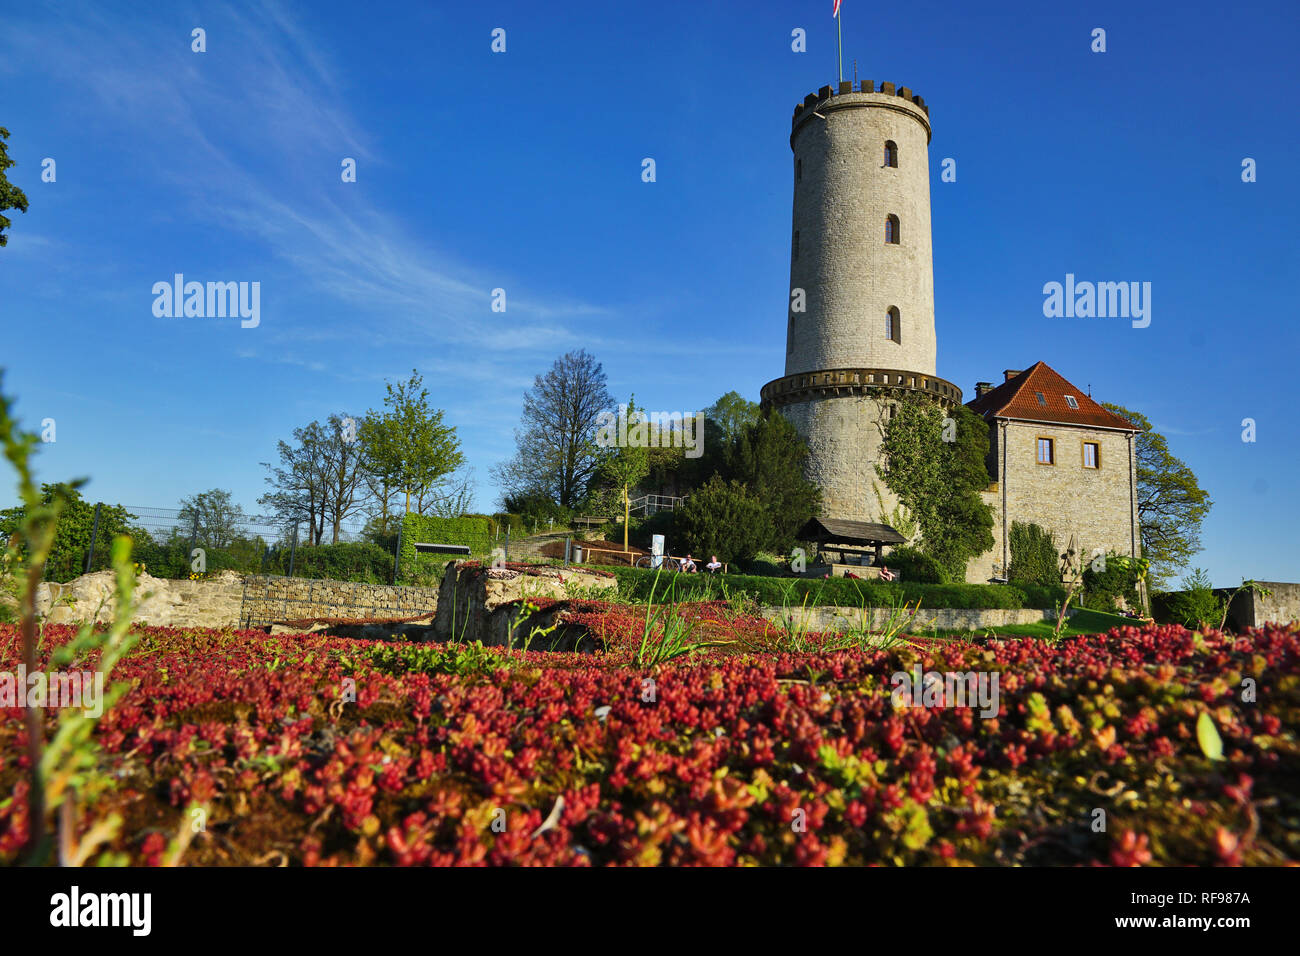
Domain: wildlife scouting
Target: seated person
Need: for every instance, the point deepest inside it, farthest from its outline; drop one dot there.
(688, 565)
(714, 565)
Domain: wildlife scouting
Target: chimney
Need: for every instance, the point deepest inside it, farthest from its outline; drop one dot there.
(982, 388)
(1010, 373)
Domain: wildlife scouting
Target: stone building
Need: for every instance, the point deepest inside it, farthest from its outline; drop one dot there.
(1057, 459)
(860, 333)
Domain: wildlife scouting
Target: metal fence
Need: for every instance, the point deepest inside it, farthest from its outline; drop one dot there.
(171, 542)
(176, 543)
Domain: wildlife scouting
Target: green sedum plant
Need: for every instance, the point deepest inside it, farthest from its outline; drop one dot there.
(65, 770)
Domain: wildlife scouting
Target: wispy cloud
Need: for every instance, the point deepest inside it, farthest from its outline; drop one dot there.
(242, 130)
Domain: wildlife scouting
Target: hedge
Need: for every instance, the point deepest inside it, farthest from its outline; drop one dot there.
(172, 559)
(635, 584)
(347, 561)
(473, 531)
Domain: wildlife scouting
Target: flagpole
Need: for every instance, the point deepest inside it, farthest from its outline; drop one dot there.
(839, 30)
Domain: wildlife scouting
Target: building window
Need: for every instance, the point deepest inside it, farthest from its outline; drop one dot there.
(1070, 400)
(1041, 399)
(798, 170)
(1046, 451)
(795, 245)
(891, 154)
(891, 229)
(1091, 455)
(893, 327)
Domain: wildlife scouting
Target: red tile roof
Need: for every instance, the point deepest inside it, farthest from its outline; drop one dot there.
(1018, 398)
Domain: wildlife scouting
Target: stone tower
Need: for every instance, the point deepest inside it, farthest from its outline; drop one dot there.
(860, 318)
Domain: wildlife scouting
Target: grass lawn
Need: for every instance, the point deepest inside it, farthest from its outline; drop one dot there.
(1080, 623)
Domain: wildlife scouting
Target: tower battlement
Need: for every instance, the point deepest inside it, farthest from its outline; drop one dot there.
(844, 94)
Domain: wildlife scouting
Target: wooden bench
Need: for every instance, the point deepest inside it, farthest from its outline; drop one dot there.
(424, 547)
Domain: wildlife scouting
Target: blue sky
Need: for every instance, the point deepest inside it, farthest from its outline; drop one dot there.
(522, 170)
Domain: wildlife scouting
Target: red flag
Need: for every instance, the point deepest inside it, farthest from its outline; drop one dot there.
(836, 11)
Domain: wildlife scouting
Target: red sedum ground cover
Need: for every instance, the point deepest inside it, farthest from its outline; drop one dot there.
(739, 758)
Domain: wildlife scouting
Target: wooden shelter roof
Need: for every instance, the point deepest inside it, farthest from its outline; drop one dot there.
(841, 531)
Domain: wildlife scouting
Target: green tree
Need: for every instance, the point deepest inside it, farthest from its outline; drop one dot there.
(409, 444)
(1196, 604)
(72, 534)
(723, 518)
(298, 482)
(733, 414)
(1171, 503)
(623, 466)
(767, 456)
(934, 464)
(216, 517)
(11, 197)
(556, 451)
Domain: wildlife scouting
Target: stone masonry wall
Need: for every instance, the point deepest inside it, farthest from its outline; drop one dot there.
(1282, 606)
(158, 601)
(961, 619)
(1097, 507)
(842, 194)
(844, 436)
(231, 600)
(270, 599)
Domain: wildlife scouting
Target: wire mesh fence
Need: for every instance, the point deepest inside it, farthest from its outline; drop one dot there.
(183, 543)
(179, 543)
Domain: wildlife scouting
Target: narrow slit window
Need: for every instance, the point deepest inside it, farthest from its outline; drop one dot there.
(795, 245)
(893, 329)
(891, 153)
(798, 170)
(891, 229)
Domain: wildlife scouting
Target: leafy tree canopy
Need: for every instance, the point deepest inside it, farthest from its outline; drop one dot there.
(408, 443)
(934, 464)
(767, 456)
(73, 530)
(11, 197)
(723, 518)
(1171, 503)
(556, 451)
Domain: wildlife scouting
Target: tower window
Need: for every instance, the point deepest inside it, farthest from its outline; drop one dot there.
(796, 244)
(893, 330)
(891, 153)
(798, 170)
(891, 229)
